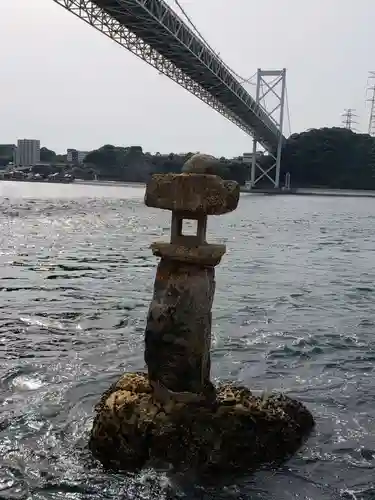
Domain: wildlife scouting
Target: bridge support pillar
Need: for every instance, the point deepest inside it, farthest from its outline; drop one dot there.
(173, 413)
(270, 84)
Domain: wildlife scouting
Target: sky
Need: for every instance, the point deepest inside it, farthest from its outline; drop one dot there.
(70, 86)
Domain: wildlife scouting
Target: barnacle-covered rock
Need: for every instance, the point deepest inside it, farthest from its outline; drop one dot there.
(174, 413)
(235, 432)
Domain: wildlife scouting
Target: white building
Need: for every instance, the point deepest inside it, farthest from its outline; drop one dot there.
(28, 152)
(75, 156)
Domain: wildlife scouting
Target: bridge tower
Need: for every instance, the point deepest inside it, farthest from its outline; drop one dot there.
(270, 83)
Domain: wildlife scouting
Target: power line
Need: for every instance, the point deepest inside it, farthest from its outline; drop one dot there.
(347, 118)
(371, 122)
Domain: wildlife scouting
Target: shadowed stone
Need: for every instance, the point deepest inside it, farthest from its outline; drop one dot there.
(237, 433)
(192, 193)
(209, 255)
(178, 331)
(201, 164)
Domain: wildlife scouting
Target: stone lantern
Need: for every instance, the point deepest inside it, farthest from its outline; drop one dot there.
(174, 413)
(178, 332)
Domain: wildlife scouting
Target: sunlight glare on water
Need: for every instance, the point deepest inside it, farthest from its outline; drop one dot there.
(294, 310)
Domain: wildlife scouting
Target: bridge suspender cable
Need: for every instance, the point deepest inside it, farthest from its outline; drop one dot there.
(187, 17)
(242, 80)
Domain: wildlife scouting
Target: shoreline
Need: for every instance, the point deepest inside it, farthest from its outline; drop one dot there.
(108, 183)
(348, 193)
(345, 193)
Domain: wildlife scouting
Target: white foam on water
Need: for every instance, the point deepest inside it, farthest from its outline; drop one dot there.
(26, 383)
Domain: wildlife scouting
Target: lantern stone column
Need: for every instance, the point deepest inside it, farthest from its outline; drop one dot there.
(178, 332)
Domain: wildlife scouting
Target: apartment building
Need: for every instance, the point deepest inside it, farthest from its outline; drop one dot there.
(28, 152)
(75, 156)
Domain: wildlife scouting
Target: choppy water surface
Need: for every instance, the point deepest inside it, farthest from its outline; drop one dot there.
(294, 310)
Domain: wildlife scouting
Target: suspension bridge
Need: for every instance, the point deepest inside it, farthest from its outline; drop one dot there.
(154, 32)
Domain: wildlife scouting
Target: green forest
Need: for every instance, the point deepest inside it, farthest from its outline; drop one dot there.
(132, 164)
(335, 158)
(326, 157)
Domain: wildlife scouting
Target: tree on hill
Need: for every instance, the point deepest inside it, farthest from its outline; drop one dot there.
(47, 155)
(61, 158)
(330, 157)
(119, 163)
(335, 158)
(6, 154)
(107, 156)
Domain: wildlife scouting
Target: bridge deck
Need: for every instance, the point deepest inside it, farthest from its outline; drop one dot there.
(167, 36)
(160, 27)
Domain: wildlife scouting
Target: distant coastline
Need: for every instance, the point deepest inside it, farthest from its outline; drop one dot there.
(109, 183)
(313, 191)
(81, 181)
(324, 159)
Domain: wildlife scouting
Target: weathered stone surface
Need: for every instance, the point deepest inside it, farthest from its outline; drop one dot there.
(174, 413)
(201, 164)
(178, 331)
(237, 432)
(205, 255)
(192, 193)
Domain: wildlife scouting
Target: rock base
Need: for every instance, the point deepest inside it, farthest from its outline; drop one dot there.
(237, 432)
